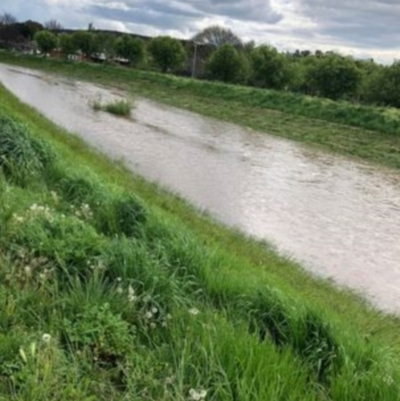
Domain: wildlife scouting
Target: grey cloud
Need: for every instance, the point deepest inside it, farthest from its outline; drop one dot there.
(360, 23)
(173, 14)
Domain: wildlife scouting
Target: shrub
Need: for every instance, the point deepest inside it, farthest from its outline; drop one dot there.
(167, 53)
(22, 157)
(120, 215)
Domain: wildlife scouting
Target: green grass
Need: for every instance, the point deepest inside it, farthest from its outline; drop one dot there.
(366, 132)
(114, 289)
(121, 107)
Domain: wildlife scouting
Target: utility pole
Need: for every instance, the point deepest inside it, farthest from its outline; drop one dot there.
(194, 60)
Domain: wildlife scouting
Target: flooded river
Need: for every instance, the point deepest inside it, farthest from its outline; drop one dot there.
(340, 218)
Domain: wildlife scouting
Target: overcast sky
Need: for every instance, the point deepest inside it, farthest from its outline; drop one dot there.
(363, 28)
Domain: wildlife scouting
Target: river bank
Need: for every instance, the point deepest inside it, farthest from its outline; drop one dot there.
(310, 120)
(318, 342)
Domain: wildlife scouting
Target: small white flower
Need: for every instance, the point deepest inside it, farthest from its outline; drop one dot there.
(119, 279)
(152, 325)
(28, 270)
(169, 316)
(120, 290)
(131, 294)
(197, 395)
(154, 311)
(194, 311)
(46, 338)
(148, 315)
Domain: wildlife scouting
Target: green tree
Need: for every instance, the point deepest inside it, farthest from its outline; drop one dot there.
(167, 53)
(86, 42)
(226, 64)
(29, 28)
(67, 44)
(270, 68)
(46, 41)
(130, 48)
(383, 86)
(334, 76)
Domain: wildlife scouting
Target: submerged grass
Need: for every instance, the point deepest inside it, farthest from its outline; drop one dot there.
(114, 289)
(371, 133)
(120, 107)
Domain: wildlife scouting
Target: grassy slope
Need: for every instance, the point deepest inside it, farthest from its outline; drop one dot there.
(370, 133)
(322, 343)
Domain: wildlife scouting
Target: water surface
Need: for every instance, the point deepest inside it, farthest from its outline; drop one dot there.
(340, 218)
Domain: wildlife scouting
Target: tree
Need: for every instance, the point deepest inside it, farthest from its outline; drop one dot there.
(86, 42)
(217, 36)
(29, 28)
(67, 44)
(383, 86)
(270, 68)
(53, 25)
(46, 41)
(227, 64)
(167, 53)
(7, 19)
(130, 48)
(334, 76)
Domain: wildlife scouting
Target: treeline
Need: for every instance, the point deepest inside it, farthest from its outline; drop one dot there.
(218, 54)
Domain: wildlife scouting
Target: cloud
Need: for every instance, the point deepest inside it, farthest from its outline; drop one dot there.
(364, 28)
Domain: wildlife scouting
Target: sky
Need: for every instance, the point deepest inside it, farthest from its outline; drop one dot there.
(361, 28)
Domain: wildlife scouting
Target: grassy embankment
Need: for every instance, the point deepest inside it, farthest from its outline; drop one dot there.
(113, 289)
(370, 133)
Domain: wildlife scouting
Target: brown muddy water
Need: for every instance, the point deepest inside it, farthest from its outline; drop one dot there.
(340, 218)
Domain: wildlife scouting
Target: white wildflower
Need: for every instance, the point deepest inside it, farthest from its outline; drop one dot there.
(154, 311)
(148, 315)
(131, 294)
(54, 195)
(119, 279)
(46, 338)
(197, 395)
(169, 316)
(120, 290)
(28, 270)
(152, 325)
(194, 311)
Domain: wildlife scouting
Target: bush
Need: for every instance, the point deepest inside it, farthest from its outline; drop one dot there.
(67, 242)
(46, 41)
(120, 215)
(227, 64)
(270, 68)
(167, 53)
(130, 48)
(22, 157)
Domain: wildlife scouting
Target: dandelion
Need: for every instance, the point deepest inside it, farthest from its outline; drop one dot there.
(131, 294)
(28, 270)
(46, 338)
(194, 311)
(197, 395)
(54, 195)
